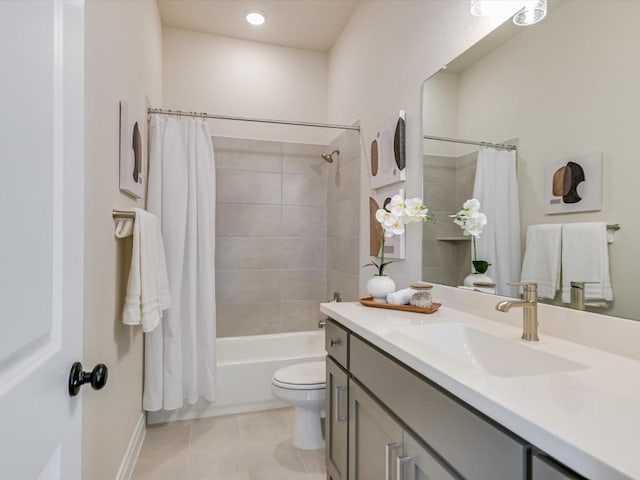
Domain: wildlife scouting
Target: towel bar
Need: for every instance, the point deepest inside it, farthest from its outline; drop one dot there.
(122, 214)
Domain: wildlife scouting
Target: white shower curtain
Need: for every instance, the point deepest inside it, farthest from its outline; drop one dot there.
(180, 353)
(496, 187)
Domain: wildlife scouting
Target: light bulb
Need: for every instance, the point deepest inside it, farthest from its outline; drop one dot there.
(255, 18)
(533, 12)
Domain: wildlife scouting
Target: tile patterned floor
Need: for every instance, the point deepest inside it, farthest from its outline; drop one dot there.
(250, 446)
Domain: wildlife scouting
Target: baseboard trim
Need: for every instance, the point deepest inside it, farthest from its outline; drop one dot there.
(191, 412)
(133, 450)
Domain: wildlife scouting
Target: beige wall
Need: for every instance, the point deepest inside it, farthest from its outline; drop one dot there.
(271, 245)
(566, 88)
(123, 60)
(216, 74)
(377, 67)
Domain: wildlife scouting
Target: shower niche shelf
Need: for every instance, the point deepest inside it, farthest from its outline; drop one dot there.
(453, 239)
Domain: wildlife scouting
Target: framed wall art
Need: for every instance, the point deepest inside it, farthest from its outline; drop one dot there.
(131, 150)
(573, 184)
(387, 154)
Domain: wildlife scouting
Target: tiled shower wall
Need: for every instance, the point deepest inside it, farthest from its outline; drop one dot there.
(448, 183)
(271, 244)
(343, 219)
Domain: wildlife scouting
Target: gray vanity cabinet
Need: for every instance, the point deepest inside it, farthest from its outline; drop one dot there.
(402, 426)
(544, 467)
(336, 421)
(381, 449)
(375, 439)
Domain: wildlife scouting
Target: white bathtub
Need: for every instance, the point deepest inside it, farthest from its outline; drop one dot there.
(245, 367)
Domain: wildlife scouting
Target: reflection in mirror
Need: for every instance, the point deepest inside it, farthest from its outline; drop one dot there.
(565, 87)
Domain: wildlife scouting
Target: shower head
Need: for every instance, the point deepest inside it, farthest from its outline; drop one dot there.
(328, 157)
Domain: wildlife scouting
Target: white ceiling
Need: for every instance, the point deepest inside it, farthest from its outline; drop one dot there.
(308, 24)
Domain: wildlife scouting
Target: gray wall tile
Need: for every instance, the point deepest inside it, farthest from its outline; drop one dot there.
(304, 284)
(304, 221)
(242, 253)
(303, 189)
(343, 183)
(304, 253)
(345, 284)
(343, 254)
(248, 286)
(248, 319)
(233, 220)
(304, 159)
(248, 187)
(300, 316)
(252, 155)
(343, 219)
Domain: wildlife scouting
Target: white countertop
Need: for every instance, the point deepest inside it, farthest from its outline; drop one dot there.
(588, 419)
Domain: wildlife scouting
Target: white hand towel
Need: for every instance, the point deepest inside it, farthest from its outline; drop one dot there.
(541, 262)
(585, 258)
(148, 285)
(401, 297)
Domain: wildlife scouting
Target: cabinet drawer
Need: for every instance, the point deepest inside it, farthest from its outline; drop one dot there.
(545, 468)
(336, 343)
(472, 446)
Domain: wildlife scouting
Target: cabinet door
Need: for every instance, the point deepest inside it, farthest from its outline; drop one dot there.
(336, 421)
(545, 468)
(421, 464)
(374, 438)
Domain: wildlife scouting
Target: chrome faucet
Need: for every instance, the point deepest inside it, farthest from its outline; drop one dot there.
(529, 306)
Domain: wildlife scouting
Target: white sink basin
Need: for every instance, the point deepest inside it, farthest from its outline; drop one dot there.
(495, 355)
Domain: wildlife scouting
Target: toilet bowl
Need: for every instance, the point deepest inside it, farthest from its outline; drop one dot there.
(303, 386)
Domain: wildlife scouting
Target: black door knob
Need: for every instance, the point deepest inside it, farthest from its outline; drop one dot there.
(97, 377)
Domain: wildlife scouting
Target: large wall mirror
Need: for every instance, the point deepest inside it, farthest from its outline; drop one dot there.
(565, 87)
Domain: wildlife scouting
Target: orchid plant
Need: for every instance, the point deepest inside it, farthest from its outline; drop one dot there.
(471, 220)
(393, 218)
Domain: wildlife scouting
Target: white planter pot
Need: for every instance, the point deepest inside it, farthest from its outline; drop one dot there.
(470, 279)
(379, 287)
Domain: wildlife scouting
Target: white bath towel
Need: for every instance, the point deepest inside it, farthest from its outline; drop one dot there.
(401, 297)
(541, 262)
(148, 285)
(585, 258)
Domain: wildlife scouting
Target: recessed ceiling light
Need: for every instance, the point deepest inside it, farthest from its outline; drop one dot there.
(255, 18)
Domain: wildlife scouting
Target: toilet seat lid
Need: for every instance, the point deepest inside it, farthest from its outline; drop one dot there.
(303, 376)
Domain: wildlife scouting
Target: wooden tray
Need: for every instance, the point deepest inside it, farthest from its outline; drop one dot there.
(368, 302)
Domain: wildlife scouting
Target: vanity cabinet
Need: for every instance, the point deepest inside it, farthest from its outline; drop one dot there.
(336, 421)
(544, 467)
(336, 402)
(380, 448)
(468, 443)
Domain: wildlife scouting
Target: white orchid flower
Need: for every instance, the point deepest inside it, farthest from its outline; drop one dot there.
(397, 206)
(415, 210)
(382, 215)
(471, 205)
(393, 226)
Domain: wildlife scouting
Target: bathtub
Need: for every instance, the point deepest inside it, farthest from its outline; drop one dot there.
(245, 367)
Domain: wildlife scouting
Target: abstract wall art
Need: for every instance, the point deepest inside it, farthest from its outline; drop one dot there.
(573, 184)
(387, 155)
(131, 151)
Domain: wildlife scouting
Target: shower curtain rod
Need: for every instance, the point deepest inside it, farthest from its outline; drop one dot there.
(471, 142)
(248, 119)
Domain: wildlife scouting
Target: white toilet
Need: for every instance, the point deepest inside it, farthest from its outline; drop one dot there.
(303, 386)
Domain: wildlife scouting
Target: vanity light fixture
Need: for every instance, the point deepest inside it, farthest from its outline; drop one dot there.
(479, 8)
(254, 17)
(533, 12)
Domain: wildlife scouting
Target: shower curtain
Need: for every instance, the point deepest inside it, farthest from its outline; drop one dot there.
(180, 353)
(496, 187)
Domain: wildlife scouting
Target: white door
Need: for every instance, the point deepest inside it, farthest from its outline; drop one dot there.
(41, 236)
